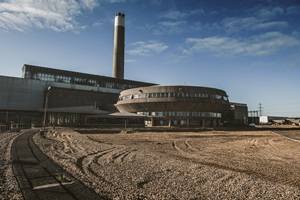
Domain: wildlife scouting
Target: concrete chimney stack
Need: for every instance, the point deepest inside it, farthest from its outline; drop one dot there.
(119, 45)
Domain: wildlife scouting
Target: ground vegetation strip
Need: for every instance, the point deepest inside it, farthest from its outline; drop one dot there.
(181, 165)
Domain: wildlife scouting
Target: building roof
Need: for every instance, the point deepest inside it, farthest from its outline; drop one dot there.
(79, 109)
(117, 115)
(65, 76)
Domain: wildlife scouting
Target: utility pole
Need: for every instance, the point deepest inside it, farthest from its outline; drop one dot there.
(45, 111)
(260, 109)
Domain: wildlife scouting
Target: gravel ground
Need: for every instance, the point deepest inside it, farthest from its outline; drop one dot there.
(9, 189)
(203, 165)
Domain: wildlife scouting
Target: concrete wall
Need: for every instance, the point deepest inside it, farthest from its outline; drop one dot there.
(21, 94)
(62, 97)
(28, 95)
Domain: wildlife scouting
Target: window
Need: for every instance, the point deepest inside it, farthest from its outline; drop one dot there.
(218, 96)
(159, 113)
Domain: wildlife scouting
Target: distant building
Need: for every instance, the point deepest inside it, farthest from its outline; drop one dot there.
(293, 121)
(237, 115)
(272, 120)
(253, 117)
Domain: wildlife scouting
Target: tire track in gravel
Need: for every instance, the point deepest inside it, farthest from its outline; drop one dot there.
(91, 162)
(207, 156)
(85, 164)
(264, 148)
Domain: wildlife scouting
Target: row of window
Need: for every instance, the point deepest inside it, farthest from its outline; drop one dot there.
(173, 94)
(76, 80)
(181, 114)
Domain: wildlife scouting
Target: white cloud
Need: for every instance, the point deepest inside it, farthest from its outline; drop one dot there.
(116, 1)
(261, 45)
(269, 12)
(130, 60)
(176, 14)
(237, 24)
(168, 27)
(271, 25)
(293, 10)
(59, 15)
(174, 21)
(90, 4)
(147, 48)
(173, 14)
(260, 18)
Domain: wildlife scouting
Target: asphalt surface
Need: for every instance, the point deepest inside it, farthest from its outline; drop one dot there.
(289, 135)
(40, 178)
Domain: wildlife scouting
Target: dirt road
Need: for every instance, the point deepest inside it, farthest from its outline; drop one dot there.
(189, 165)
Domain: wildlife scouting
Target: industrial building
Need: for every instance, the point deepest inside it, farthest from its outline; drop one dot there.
(172, 105)
(69, 97)
(236, 115)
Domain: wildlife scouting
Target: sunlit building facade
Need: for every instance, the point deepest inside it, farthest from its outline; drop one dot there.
(175, 105)
(72, 96)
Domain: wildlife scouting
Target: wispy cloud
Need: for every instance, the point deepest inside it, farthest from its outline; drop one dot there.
(269, 12)
(167, 27)
(147, 48)
(116, 1)
(232, 25)
(260, 18)
(173, 21)
(261, 45)
(130, 60)
(293, 10)
(59, 15)
(173, 14)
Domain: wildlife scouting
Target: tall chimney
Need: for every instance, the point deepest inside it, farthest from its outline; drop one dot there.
(119, 44)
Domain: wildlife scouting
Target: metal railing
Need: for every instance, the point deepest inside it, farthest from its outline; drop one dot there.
(7, 132)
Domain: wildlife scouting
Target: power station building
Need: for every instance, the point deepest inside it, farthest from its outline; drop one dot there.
(78, 98)
(172, 105)
(71, 95)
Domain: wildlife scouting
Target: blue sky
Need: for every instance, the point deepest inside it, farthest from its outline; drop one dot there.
(250, 48)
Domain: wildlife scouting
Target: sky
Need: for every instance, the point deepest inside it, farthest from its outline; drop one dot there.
(249, 48)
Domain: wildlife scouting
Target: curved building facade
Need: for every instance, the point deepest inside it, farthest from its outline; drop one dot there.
(171, 105)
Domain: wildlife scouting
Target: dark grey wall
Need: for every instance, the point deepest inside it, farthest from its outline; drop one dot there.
(21, 94)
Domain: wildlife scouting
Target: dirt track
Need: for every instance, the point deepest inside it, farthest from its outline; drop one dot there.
(202, 165)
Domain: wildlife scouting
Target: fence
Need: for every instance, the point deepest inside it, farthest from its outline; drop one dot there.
(7, 132)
